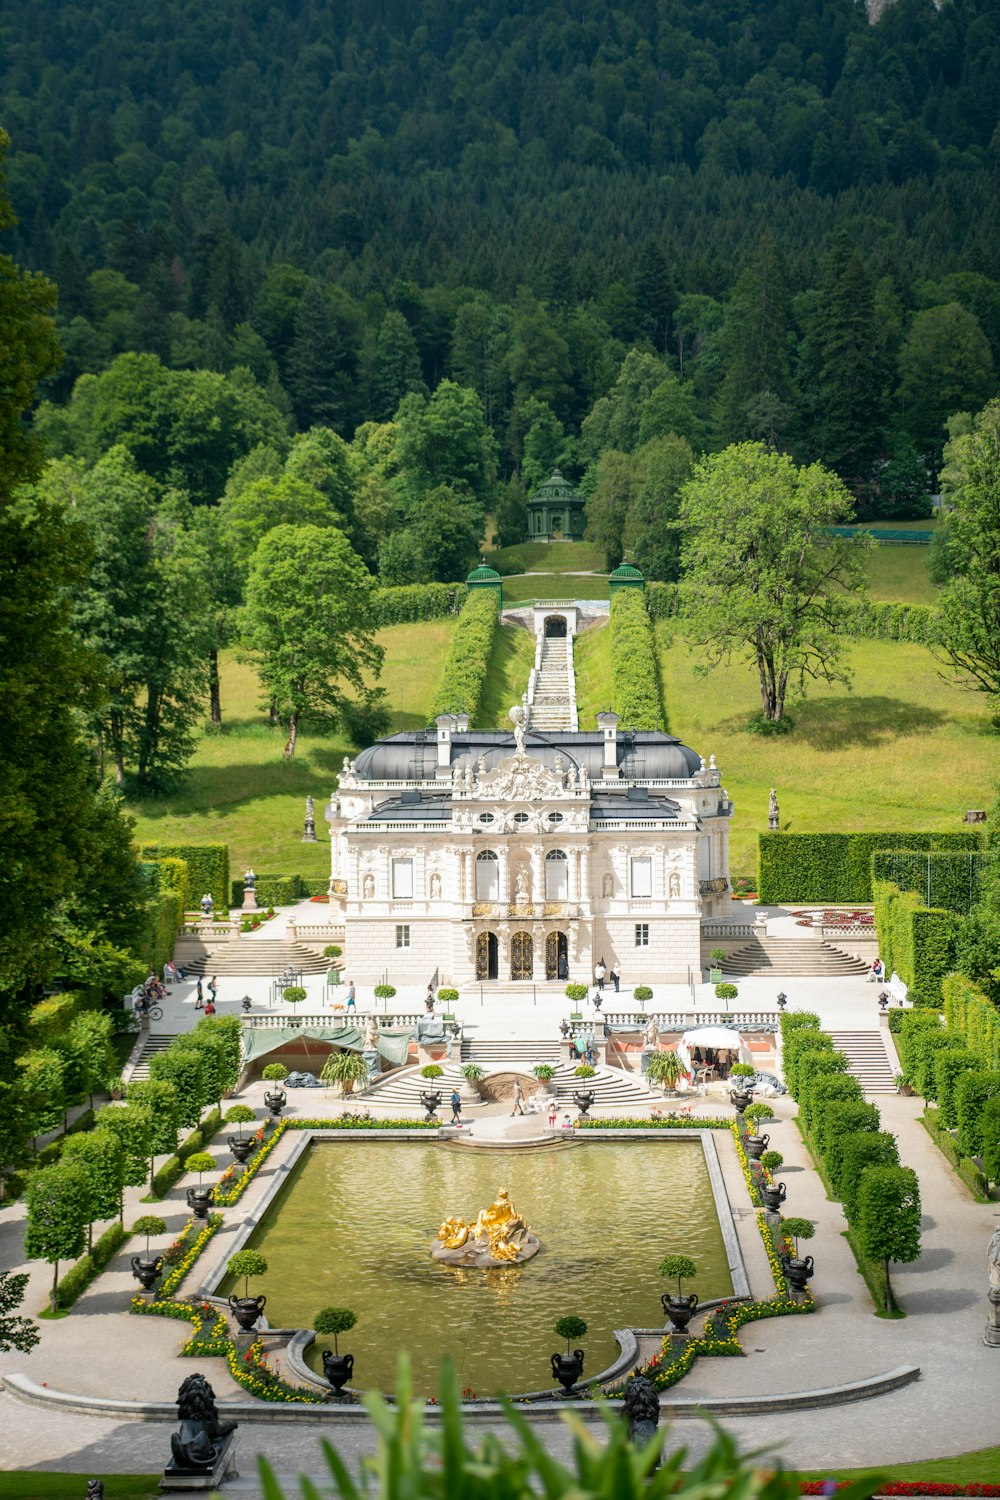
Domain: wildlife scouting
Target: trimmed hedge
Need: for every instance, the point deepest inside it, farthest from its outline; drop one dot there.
(173, 1167)
(663, 600)
(865, 619)
(866, 1148)
(467, 665)
(972, 1014)
(414, 601)
(916, 941)
(835, 867)
(951, 880)
(971, 1093)
(635, 683)
(280, 890)
(207, 870)
(951, 1064)
(90, 1265)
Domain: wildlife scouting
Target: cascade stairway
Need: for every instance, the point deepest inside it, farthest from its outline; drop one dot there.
(868, 1061)
(152, 1046)
(552, 705)
(791, 956)
(250, 956)
(611, 1086)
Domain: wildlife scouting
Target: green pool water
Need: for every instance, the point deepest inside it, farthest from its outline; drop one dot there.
(353, 1229)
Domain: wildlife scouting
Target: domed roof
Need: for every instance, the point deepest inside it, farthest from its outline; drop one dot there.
(413, 755)
(556, 487)
(627, 570)
(483, 574)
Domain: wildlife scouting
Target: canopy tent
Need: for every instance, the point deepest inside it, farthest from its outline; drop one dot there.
(712, 1036)
(394, 1046)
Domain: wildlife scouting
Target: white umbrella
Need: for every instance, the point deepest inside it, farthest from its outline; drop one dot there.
(711, 1036)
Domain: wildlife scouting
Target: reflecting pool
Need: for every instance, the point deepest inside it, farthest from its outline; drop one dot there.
(353, 1229)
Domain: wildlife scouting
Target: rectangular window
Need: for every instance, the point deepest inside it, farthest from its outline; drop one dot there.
(403, 936)
(402, 880)
(642, 877)
(641, 934)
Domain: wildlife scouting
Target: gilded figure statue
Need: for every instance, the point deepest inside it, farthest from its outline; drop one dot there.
(499, 1235)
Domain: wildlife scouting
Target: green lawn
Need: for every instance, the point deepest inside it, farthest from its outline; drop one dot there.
(524, 587)
(242, 792)
(903, 750)
(39, 1484)
(512, 660)
(980, 1467)
(899, 574)
(550, 557)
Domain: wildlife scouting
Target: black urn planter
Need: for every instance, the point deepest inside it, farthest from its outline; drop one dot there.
(799, 1272)
(146, 1272)
(567, 1369)
(740, 1100)
(583, 1099)
(756, 1145)
(338, 1369)
(276, 1101)
(431, 1102)
(199, 1201)
(246, 1310)
(774, 1196)
(679, 1310)
(240, 1146)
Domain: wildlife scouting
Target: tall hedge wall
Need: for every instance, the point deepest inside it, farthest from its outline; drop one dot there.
(867, 619)
(836, 867)
(635, 682)
(969, 1011)
(166, 881)
(282, 890)
(950, 879)
(915, 940)
(465, 671)
(207, 870)
(415, 601)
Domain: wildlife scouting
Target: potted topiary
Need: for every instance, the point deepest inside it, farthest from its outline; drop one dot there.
(545, 1073)
(276, 1098)
(665, 1068)
(903, 1085)
(577, 993)
(771, 1161)
(754, 1115)
(240, 1145)
(642, 993)
(447, 997)
(742, 1092)
(384, 991)
(337, 1367)
(798, 1270)
(679, 1309)
(146, 1270)
(567, 1368)
(275, 1073)
(726, 992)
(346, 1069)
(200, 1198)
(432, 1070)
(717, 958)
(246, 1309)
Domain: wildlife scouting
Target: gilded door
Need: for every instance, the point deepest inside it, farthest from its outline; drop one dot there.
(486, 961)
(556, 955)
(521, 956)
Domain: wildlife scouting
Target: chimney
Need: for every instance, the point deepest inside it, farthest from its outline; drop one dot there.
(607, 723)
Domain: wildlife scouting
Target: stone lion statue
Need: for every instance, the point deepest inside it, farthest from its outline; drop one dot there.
(641, 1408)
(197, 1445)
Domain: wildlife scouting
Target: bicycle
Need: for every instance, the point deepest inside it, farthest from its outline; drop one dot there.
(149, 1012)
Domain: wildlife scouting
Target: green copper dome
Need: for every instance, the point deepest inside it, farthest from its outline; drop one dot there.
(483, 574)
(627, 570)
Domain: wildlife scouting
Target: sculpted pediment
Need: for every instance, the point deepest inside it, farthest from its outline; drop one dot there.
(520, 778)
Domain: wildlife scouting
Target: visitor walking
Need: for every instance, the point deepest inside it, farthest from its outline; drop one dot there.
(518, 1107)
(199, 999)
(553, 1112)
(456, 1107)
(616, 977)
(600, 970)
(213, 988)
(351, 997)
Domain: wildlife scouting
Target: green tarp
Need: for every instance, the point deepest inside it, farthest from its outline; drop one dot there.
(259, 1040)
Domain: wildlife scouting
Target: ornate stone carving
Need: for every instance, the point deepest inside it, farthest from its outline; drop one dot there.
(520, 778)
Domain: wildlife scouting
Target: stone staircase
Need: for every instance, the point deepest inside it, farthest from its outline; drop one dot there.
(152, 1045)
(868, 1059)
(790, 957)
(612, 1087)
(555, 695)
(249, 957)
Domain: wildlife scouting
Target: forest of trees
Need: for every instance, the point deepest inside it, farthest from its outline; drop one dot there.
(792, 209)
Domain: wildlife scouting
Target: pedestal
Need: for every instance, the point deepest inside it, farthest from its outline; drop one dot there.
(249, 898)
(225, 1468)
(991, 1333)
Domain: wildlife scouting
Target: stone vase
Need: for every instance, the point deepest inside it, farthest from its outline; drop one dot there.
(338, 1369)
(241, 1146)
(146, 1272)
(199, 1201)
(756, 1145)
(799, 1272)
(246, 1310)
(680, 1310)
(567, 1369)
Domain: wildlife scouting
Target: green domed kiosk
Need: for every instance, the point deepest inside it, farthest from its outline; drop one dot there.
(625, 576)
(556, 511)
(485, 577)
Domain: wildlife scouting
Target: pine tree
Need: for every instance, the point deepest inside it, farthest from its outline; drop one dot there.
(316, 362)
(397, 366)
(753, 399)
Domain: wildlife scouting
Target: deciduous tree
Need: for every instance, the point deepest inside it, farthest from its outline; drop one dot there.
(889, 1218)
(58, 1215)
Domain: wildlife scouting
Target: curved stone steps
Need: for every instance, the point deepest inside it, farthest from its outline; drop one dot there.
(791, 956)
(250, 957)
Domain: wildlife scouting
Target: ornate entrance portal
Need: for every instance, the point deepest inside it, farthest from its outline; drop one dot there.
(556, 956)
(521, 956)
(487, 960)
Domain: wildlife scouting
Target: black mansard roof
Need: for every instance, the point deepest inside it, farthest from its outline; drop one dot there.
(641, 754)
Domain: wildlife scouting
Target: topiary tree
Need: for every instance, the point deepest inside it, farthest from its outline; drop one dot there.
(642, 993)
(799, 1229)
(742, 1070)
(133, 1125)
(576, 992)
(681, 1266)
(385, 991)
(570, 1327)
(160, 1098)
(294, 994)
(584, 1071)
(718, 957)
(335, 1320)
(183, 1068)
(275, 1073)
(247, 1263)
(40, 1076)
(90, 1037)
(726, 991)
(102, 1157)
(228, 1031)
(200, 1162)
(239, 1114)
(448, 997)
(332, 950)
(989, 1128)
(889, 1218)
(211, 1051)
(771, 1161)
(58, 1214)
(859, 1154)
(431, 1070)
(757, 1114)
(149, 1224)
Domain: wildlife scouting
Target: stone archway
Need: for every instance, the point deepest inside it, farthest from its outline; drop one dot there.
(555, 626)
(556, 956)
(487, 956)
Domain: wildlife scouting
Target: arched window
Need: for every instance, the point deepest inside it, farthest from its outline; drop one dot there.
(487, 876)
(556, 875)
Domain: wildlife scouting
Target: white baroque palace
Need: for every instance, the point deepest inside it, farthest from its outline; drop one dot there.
(493, 857)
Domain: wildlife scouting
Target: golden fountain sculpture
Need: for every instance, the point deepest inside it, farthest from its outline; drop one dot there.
(499, 1237)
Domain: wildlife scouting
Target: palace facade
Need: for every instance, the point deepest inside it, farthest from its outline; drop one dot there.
(481, 856)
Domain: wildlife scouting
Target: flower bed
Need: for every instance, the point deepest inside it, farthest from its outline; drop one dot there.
(900, 1487)
(660, 1122)
(183, 1253)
